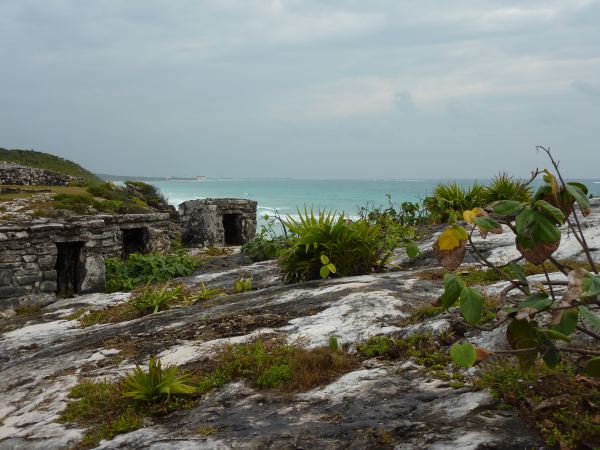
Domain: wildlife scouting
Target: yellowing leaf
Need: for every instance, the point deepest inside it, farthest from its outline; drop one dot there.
(451, 237)
(551, 180)
(470, 214)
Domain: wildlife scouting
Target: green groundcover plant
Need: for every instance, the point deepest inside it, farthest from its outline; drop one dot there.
(141, 269)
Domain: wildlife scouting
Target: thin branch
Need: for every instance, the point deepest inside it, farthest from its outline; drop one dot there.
(549, 283)
(562, 267)
(581, 238)
(588, 332)
(491, 265)
(560, 349)
(586, 249)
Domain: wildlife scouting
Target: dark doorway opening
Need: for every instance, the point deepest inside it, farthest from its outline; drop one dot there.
(232, 223)
(68, 268)
(135, 240)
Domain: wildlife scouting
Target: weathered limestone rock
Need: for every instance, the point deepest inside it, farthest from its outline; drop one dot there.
(44, 358)
(217, 222)
(16, 174)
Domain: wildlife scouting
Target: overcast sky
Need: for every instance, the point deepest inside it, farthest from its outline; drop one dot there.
(303, 88)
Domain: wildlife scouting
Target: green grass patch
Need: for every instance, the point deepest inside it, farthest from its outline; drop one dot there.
(108, 409)
(47, 161)
(425, 349)
(273, 364)
(102, 410)
(28, 310)
(146, 300)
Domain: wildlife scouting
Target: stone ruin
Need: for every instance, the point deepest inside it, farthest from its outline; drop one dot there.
(16, 174)
(217, 222)
(47, 258)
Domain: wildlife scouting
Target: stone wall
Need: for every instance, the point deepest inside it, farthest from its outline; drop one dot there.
(16, 174)
(29, 252)
(206, 222)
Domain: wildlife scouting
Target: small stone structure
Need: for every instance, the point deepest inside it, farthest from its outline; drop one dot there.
(45, 258)
(217, 222)
(16, 174)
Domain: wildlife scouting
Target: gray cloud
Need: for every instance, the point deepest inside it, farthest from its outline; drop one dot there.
(343, 88)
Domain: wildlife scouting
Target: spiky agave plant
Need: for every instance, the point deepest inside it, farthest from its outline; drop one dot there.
(504, 187)
(156, 384)
(151, 299)
(325, 239)
(453, 197)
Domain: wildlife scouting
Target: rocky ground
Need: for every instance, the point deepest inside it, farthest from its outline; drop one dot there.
(382, 404)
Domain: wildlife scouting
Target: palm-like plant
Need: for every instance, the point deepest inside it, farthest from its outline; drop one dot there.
(504, 187)
(155, 384)
(453, 197)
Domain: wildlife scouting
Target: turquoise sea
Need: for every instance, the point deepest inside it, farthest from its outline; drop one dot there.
(286, 195)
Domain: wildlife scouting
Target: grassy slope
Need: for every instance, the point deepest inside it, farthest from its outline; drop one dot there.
(46, 161)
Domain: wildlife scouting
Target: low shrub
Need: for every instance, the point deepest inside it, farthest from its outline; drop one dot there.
(559, 403)
(397, 228)
(85, 204)
(267, 244)
(353, 248)
(145, 269)
(262, 248)
(149, 194)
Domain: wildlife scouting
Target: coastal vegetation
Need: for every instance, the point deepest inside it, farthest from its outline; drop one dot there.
(47, 161)
(539, 320)
(141, 269)
(106, 409)
(148, 299)
(351, 247)
(90, 196)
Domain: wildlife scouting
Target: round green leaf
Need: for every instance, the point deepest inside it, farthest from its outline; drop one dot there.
(593, 367)
(551, 358)
(331, 268)
(590, 317)
(471, 305)
(568, 322)
(537, 301)
(324, 272)
(453, 286)
(590, 285)
(324, 260)
(412, 250)
(463, 354)
(507, 207)
(551, 211)
(577, 193)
